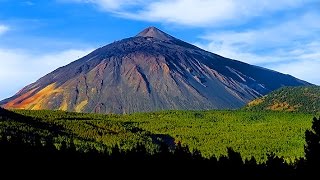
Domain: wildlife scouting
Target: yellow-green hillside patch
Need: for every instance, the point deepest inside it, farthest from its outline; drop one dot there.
(299, 99)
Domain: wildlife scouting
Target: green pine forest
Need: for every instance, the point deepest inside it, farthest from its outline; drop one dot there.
(252, 133)
(301, 99)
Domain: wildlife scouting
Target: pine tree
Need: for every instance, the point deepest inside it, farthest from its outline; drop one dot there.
(312, 148)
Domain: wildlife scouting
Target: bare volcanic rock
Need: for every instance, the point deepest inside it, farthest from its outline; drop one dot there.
(149, 72)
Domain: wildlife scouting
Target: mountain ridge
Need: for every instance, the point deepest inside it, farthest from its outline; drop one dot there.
(301, 99)
(149, 72)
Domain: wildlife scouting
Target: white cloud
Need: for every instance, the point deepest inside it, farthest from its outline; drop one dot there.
(187, 12)
(111, 5)
(195, 12)
(3, 29)
(19, 68)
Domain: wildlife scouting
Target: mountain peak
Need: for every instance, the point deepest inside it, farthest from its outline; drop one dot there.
(155, 33)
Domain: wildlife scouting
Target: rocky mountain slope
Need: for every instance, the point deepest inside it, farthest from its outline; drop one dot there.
(149, 72)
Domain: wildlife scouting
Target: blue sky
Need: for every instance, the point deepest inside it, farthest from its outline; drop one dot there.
(39, 36)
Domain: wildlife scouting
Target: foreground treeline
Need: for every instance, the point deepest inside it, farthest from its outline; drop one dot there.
(30, 150)
(36, 153)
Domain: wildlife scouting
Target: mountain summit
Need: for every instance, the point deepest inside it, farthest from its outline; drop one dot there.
(149, 72)
(155, 33)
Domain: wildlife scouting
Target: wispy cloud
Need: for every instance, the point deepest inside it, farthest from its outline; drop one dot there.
(278, 39)
(303, 62)
(20, 67)
(3, 29)
(112, 5)
(291, 47)
(29, 3)
(194, 12)
(209, 12)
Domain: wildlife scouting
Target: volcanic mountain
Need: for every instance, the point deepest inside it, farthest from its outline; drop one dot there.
(149, 72)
